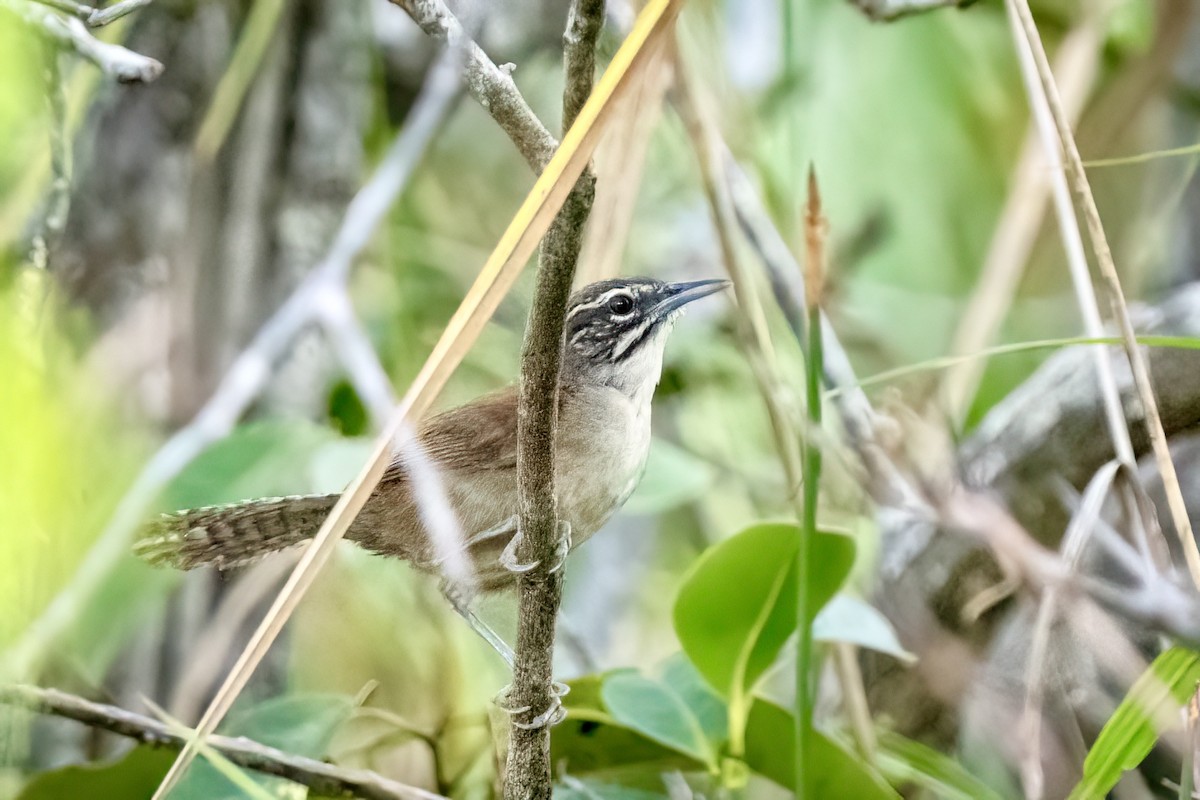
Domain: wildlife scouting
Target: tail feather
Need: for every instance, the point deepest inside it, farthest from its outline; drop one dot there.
(229, 535)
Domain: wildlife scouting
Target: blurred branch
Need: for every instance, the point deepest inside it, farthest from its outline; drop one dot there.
(95, 17)
(889, 10)
(1023, 23)
(249, 372)
(320, 298)
(322, 778)
(492, 86)
(527, 771)
(113, 59)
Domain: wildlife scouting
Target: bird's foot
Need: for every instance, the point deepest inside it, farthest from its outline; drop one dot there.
(508, 558)
(554, 713)
(563, 547)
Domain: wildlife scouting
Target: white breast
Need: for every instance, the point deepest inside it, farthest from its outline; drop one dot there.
(604, 437)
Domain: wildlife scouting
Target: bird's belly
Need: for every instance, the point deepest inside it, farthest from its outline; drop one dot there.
(601, 466)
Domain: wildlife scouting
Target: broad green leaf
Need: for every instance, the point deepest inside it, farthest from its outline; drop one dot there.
(903, 760)
(134, 775)
(575, 789)
(850, 619)
(681, 676)
(1151, 705)
(651, 708)
(590, 740)
(673, 477)
(770, 751)
(736, 607)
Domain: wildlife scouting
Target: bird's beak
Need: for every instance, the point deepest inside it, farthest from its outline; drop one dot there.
(680, 294)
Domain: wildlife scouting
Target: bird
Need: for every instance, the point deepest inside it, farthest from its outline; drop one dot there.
(615, 334)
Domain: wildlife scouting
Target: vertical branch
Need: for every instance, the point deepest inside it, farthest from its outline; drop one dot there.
(527, 772)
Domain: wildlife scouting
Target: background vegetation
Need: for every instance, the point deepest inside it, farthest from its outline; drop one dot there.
(150, 228)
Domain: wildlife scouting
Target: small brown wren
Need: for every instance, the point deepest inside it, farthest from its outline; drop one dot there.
(614, 337)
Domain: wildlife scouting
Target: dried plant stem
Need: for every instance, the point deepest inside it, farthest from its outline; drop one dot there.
(1023, 17)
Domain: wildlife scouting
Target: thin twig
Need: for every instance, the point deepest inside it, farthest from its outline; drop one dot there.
(527, 771)
(889, 10)
(322, 778)
(1022, 18)
(113, 59)
(490, 85)
(95, 17)
(103, 16)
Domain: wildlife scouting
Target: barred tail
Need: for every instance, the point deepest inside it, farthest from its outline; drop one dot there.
(226, 536)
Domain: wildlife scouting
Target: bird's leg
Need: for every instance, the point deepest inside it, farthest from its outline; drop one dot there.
(506, 527)
(508, 558)
(461, 603)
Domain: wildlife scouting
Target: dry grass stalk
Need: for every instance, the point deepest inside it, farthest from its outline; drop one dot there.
(1023, 17)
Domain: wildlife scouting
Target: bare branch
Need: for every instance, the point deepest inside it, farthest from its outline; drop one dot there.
(490, 85)
(95, 17)
(103, 16)
(113, 59)
(584, 22)
(527, 772)
(322, 778)
(889, 10)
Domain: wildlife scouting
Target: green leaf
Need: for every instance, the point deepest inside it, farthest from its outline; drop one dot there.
(303, 724)
(737, 607)
(574, 789)
(770, 751)
(850, 619)
(649, 707)
(902, 760)
(1151, 706)
(134, 775)
(672, 478)
(590, 740)
(681, 677)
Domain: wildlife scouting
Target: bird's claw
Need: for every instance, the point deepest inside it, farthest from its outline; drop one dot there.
(553, 715)
(563, 548)
(508, 557)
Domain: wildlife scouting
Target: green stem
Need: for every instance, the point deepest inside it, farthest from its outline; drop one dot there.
(808, 527)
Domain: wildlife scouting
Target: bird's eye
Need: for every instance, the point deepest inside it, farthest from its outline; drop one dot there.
(620, 304)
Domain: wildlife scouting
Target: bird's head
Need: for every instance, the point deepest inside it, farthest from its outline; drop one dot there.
(616, 330)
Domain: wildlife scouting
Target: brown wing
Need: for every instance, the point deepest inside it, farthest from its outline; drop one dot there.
(479, 435)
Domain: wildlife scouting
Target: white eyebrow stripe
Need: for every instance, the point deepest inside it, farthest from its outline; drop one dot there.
(599, 301)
